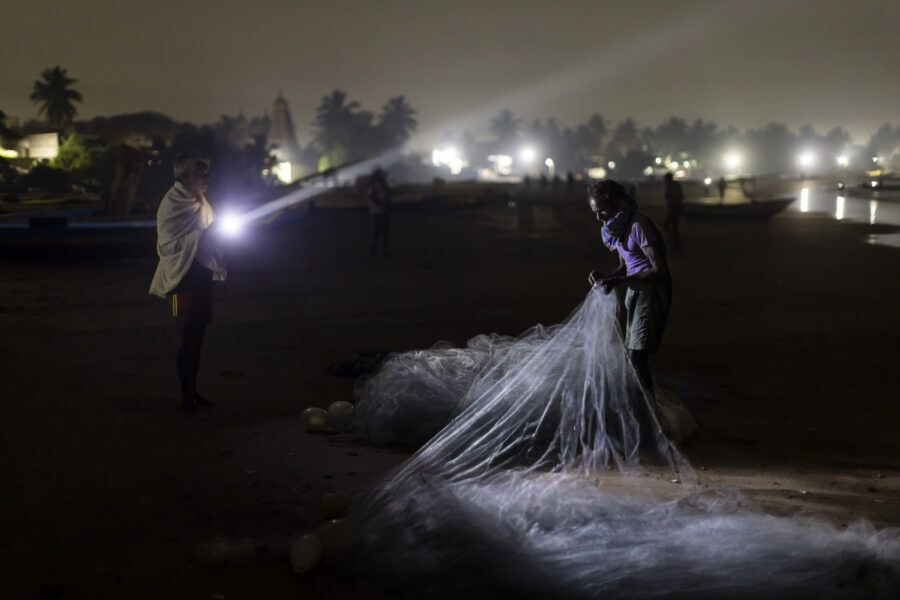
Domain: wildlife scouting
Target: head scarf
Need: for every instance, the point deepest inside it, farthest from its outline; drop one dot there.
(615, 229)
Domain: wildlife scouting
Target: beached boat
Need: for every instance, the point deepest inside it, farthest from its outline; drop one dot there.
(747, 211)
(74, 228)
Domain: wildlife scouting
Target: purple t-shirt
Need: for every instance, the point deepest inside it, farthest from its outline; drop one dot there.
(643, 233)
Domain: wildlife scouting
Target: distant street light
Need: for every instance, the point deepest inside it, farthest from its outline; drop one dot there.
(527, 154)
(550, 165)
(733, 161)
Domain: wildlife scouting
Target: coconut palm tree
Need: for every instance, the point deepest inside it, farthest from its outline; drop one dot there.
(505, 126)
(397, 121)
(334, 119)
(55, 97)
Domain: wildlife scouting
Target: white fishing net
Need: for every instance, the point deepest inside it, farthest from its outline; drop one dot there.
(529, 485)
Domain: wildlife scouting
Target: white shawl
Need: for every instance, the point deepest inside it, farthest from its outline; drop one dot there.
(181, 221)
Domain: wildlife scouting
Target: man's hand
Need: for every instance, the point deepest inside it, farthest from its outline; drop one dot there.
(595, 277)
(609, 283)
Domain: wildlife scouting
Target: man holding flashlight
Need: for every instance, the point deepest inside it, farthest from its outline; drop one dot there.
(642, 268)
(189, 264)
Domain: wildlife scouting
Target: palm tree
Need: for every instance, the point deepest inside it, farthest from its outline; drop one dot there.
(53, 93)
(505, 126)
(397, 121)
(334, 119)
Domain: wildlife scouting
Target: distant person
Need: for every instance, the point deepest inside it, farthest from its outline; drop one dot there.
(745, 188)
(378, 193)
(674, 200)
(189, 264)
(570, 184)
(643, 269)
(721, 185)
(543, 181)
(526, 182)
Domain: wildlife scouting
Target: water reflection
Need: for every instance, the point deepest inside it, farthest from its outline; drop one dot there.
(847, 207)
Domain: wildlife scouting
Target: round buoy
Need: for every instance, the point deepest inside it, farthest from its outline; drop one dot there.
(339, 414)
(314, 419)
(306, 551)
(334, 505)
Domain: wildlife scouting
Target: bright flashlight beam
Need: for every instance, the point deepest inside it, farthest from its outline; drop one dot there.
(305, 194)
(231, 224)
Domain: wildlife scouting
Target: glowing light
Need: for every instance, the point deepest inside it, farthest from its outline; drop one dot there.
(687, 164)
(231, 224)
(873, 184)
(597, 173)
(875, 159)
(843, 161)
(807, 159)
(873, 211)
(8, 153)
(648, 171)
(679, 174)
(449, 157)
(733, 160)
(839, 208)
(550, 165)
(804, 200)
(658, 160)
(283, 172)
(502, 163)
(611, 164)
(527, 154)
(456, 165)
(707, 180)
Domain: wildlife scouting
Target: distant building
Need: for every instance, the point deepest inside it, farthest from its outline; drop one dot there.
(282, 142)
(38, 146)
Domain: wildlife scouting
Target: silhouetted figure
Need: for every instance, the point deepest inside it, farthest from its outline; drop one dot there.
(722, 184)
(543, 182)
(189, 263)
(570, 184)
(526, 182)
(745, 188)
(643, 268)
(674, 200)
(556, 182)
(379, 195)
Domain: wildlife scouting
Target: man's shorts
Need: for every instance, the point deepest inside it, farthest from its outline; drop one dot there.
(647, 308)
(192, 298)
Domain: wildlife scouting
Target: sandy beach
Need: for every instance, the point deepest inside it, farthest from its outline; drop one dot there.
(782, 340)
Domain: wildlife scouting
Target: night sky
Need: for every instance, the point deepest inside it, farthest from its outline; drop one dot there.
(746, 63)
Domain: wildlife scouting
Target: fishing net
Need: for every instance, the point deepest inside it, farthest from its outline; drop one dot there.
(530, 483)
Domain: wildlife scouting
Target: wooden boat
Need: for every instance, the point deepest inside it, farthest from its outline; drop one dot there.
(70, 228)
(745, 211)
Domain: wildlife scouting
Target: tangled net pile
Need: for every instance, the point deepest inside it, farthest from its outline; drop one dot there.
(509, 495)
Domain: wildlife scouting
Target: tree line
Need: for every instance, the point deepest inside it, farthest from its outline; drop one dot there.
(342, 130)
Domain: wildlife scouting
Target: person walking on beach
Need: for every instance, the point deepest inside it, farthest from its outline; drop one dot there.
(643, 269)
(722, 184)
(674, 199)
(379, 196)
(189, 264)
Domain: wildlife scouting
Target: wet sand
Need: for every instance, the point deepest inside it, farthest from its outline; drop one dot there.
(782, 340)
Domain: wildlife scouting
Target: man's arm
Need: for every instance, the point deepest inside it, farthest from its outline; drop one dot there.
(596, 276)
(658, 271)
